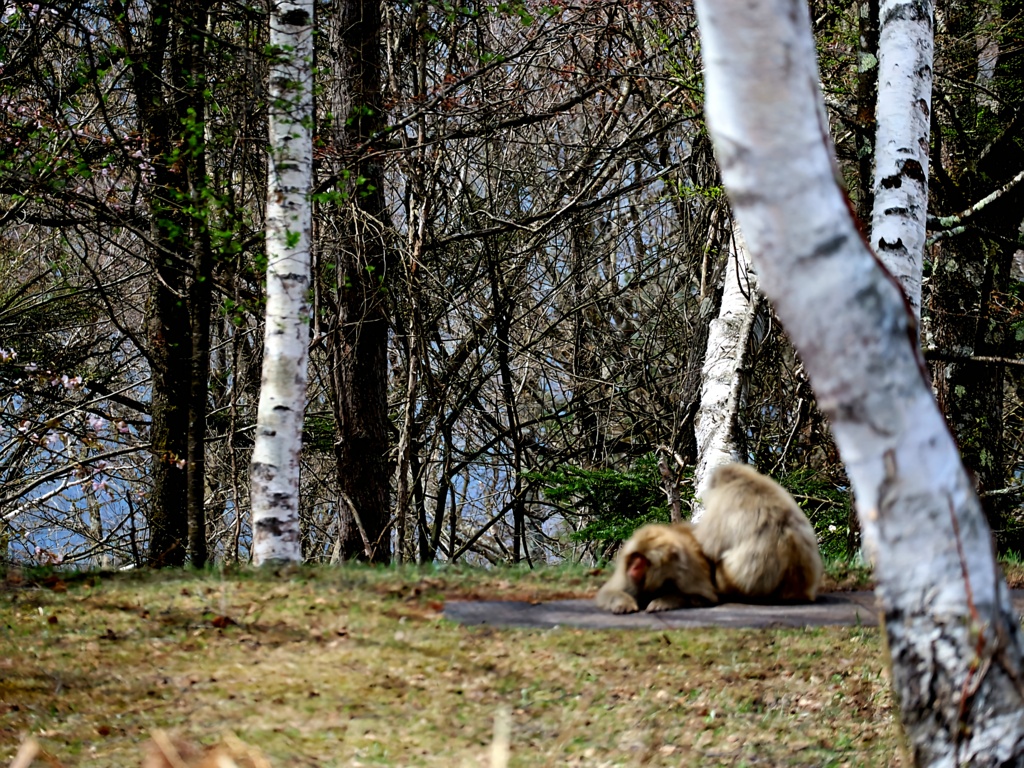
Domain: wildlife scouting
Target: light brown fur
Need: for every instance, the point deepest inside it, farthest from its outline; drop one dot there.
(660, 568)
(760, 542)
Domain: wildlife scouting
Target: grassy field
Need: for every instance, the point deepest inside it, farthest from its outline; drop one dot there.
(356, 666)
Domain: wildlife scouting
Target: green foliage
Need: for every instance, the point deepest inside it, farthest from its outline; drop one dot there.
(1011, 557)
(35, 315)
(849, 573)
(828, 507)
(1015, 305)
(685, 190)
(514, 8)
(318, 434)
(611, 504)
(331, 197)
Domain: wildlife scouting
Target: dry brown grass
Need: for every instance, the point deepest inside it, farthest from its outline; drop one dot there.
(356, 666)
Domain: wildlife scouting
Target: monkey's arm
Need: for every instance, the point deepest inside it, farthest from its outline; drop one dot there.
(619, 594)
(674, 601)
(616, 601)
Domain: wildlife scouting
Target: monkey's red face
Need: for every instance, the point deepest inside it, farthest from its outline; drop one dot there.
(636, 568)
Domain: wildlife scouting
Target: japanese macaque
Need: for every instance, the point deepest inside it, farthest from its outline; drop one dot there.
(660, 568)
(760, 543)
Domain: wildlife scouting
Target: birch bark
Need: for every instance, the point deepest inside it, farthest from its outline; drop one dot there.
(903, 114)
(954, 640)
(274, 472)
(721, 381)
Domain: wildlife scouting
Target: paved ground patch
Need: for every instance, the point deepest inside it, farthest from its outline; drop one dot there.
(833, 609)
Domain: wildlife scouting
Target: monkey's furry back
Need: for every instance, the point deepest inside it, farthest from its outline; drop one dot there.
(757, 533)
(740, 503)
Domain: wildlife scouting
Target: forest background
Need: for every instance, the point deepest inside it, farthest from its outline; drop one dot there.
(520, 240)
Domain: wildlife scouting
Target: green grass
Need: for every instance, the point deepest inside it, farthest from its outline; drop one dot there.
(356, 666)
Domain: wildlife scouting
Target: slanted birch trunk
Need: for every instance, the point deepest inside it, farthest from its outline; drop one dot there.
(954, 640)
(902, 120)
(721, 376)
(274, 471)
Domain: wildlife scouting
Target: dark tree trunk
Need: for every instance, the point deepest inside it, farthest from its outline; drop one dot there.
(587, 388)
(867, 99)
(202, 299)
(970, 393)
(502, 307)
(167, 332)
(971, 319)
(167, 319)
(191, 116)
(971, 272)
(358, 332)
(168, 77)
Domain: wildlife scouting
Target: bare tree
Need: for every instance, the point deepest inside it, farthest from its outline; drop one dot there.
(723, 373)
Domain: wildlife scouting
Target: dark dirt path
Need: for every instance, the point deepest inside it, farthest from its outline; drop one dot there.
(832, 609)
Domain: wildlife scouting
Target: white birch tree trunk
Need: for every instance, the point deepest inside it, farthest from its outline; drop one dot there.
(954, 640)
(900, 185)
(721, 382)
(274, 472)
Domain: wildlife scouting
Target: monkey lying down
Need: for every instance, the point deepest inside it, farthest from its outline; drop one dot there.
(753, 543)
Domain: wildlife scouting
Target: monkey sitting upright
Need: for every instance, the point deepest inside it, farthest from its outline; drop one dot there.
(660, 568)
(760, 543)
